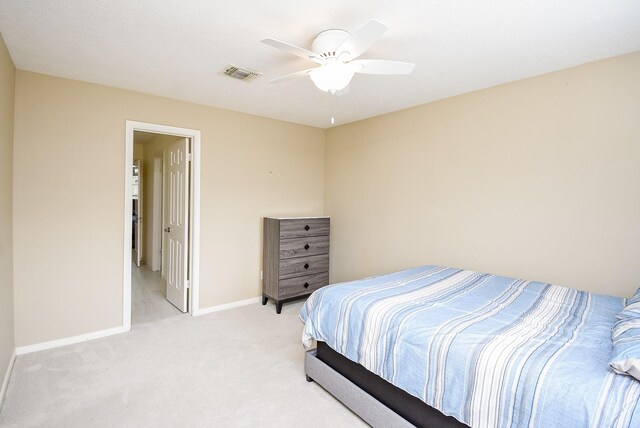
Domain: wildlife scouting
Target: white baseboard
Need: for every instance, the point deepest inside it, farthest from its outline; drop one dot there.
(226, 306)
(21, 350)
(7, 375)
(69, 340)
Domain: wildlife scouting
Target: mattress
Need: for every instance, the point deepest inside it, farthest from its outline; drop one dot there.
(490, 351)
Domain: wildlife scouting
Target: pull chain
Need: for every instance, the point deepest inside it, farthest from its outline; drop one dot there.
(333, 108)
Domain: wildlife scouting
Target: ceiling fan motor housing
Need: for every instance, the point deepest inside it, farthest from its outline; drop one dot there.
(327, 41)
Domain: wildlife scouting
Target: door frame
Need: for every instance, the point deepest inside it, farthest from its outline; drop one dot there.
(194, 213)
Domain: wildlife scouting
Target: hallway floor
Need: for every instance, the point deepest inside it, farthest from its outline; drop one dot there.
(148, 301)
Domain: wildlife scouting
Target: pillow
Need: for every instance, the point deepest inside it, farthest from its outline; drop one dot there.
(630, 323)
(627, 313)
(633, 307)
(635, 298)
(625, 355)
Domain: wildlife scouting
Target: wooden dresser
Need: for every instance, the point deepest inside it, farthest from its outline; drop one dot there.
(296, 258)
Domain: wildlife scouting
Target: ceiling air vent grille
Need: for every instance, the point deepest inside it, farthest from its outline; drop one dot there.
(241, 73)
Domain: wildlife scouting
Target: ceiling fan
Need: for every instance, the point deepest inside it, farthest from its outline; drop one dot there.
(336, 51)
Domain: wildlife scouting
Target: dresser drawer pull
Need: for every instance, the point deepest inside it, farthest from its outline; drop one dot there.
(306, 246)
(307, 228)
(306, 265)
(306, 285)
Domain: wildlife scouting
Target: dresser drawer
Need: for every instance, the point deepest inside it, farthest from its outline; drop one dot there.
(300, 227)
(304, 266)
(301, 247)
(302, 285)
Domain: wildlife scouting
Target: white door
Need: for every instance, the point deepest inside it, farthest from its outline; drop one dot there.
(137, 212)
(176, 191)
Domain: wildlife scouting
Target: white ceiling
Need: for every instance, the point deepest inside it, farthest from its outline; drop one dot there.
(178, 49)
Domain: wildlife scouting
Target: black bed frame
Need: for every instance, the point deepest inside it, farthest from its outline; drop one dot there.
(405, 405)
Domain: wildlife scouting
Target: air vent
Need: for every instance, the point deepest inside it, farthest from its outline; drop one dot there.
(241, 73)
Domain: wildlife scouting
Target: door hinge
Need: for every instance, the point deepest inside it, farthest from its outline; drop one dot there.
(188, 284)
(189, 157)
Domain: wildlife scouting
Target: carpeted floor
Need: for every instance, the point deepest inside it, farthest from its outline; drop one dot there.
(238, 368)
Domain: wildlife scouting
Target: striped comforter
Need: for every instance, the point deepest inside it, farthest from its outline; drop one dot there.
(489, 350)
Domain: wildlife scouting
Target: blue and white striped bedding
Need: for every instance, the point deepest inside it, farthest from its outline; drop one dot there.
(489, 350)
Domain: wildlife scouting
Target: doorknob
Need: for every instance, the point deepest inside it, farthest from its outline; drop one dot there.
(167, 229)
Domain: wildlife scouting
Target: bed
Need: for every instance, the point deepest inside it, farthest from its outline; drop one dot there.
(476, 349)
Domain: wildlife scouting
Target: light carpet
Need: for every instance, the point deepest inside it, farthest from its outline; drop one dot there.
(236, 368)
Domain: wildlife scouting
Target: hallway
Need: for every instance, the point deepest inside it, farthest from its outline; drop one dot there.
(148, 302)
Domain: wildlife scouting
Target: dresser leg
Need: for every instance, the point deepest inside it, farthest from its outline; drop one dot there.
(264, 300)
(278, 307)
(308, 378)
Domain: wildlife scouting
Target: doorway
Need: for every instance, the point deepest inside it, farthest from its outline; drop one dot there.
(162, 226)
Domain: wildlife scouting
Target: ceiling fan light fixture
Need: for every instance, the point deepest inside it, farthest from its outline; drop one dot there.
(337, 51)
(332, 77)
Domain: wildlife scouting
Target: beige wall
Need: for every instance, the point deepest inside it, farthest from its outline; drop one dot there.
(68, 272)
(138, 151)
(537, 179)
(7, 77)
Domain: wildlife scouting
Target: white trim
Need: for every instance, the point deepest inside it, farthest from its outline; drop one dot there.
(226, 306)
(21, 350)
(7, 375)
(128, 206)
(194, 280)
(194, 134)
(296, 218)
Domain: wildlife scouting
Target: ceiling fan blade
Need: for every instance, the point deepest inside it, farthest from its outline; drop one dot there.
(294, 50)
(381, 66)
(300, 73)
(362, 39)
